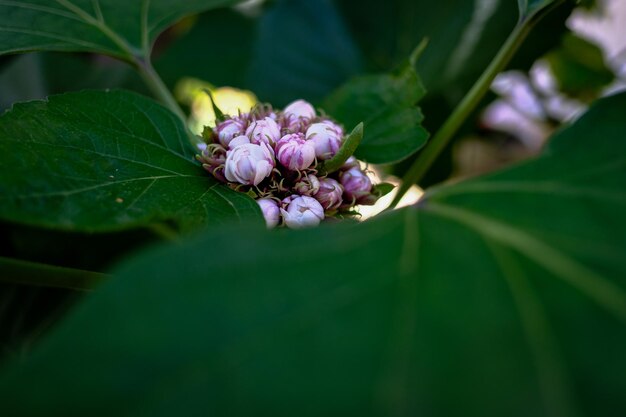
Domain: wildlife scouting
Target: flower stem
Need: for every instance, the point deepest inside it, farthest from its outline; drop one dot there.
(158, 87)
(437, 144)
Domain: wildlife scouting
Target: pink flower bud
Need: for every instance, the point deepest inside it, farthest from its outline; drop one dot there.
(308, 185)
(229, 129)
(299, 108)
(249, 163)
(329, 194)
(302, 211)
(356, 184)
(264, 130)
(270, 210)
(294, 152)
(298, 115)
(351, 162)
(326, 137)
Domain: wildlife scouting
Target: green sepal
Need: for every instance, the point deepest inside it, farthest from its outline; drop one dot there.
(207, 134)
(347, 149)
(382, 189)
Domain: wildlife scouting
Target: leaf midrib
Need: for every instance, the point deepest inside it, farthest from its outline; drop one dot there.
(594, 286)
(553, 380)
(66, 193)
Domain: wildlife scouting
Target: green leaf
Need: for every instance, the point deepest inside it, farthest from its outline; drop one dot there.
(504, 295)
(97, 161)
(387, 105)
(302, 50)
(233, 35)
(115, 27)
(464, 38)
(349, 145)
(382, 189)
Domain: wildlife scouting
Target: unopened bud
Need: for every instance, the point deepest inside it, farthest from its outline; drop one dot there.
(356, 184)
(271, 211)
(213, 158)
(300, 108)
(264, 130)
(302, 211)
(351, 162)
(298, 115)
(326, 137)
(295, 152)
(308, 185)
(249, 163)
(229, 129)
(330, 194)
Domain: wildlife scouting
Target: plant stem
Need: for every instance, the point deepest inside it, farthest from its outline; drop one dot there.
(158, 87)
(437, 144)
(34, 273)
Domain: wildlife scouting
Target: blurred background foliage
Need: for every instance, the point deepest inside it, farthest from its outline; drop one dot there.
(277, 51)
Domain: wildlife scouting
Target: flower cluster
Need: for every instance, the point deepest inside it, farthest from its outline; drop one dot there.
(275, 157)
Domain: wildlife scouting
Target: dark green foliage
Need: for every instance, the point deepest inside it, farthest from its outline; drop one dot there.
(111, 160)
(491, 298)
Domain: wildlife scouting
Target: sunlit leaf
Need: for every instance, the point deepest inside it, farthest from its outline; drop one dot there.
(97, 161)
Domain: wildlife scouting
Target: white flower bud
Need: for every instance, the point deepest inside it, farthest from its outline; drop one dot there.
(302, 211)
(264, 130)
(249, 163)
(298, 115)
(229, 129)
(239, 140)
(270, 210)
(326, 137)
(295, 152)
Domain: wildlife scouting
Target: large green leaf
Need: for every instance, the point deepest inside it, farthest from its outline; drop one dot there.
(217, 49)
(97, 161)
(387, 104)
(500, 296)
(114, 27)
(464, 37)
(302, 50)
